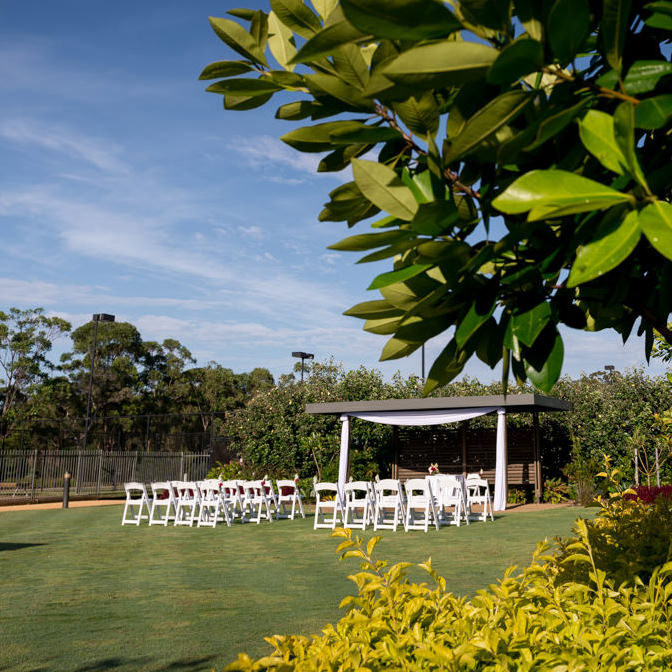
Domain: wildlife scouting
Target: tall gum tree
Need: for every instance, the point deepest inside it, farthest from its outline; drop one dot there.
(552, 115)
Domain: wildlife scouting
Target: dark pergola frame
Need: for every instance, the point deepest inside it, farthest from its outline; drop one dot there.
(511, 403)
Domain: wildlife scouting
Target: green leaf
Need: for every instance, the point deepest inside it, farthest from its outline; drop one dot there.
(394, 349)
(225, 69)
(435, 219)
(642, 77)
(365, 135)
(568, 26)
(419, 330)
(555, 190)
(259, 29)
(368, 241)
(545, 376)
(497, 113)
(441, 64)
(324, 7)
(327, 41)
(555, 123)
(614, 241)
(297, 17)
(654, 113)
(493, 14)
(446, 366)
(245, 87)
(382, 186)
(281, 42)
(341, 157)
(243, 103)
(399, 275)
(236, 37)
(624, 132)
(420, 115)
(471, 322)
(383, 326)
(322, 83)
(656, 223)
(516, 60)
(659, 20)
(317, 138)
(374, 310)
(245, 14)
(300, 109)
(401, 19)
(614, 28)
(597, 135)
(527, 326)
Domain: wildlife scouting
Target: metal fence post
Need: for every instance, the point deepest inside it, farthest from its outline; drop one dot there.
(66, 489)
(100, 472)
(32, 479)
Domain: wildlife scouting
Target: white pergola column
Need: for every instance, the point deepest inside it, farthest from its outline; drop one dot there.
(501, 463)
(344, 457)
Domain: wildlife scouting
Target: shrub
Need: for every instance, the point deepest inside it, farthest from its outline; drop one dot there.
(649, 494)
(599, 600)
(555, 491)
(529, 621)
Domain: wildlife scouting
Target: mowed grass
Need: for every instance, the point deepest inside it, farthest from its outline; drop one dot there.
(79, 592)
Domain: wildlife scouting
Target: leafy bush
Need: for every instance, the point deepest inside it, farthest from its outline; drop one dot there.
(533, 620)
(555, 491)
(516, 496)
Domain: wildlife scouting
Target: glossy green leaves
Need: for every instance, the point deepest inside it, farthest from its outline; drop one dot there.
(556, 193)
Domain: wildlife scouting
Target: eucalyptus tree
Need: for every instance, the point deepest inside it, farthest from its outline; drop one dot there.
(26, 337)
(515, 156)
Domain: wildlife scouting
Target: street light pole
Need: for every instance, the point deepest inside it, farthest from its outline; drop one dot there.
(98, 317)
(303, 356)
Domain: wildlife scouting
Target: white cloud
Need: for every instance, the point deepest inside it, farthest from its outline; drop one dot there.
(267, 152)
(62, 140)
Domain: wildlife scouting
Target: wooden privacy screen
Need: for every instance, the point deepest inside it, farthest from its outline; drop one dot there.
(463, 450)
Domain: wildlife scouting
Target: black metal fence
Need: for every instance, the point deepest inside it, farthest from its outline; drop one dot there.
(31, 474)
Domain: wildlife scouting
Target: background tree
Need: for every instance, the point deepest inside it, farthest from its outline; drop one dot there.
(522, 162)
(26, 336)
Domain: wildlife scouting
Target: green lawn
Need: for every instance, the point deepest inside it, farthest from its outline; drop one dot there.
(80, 592)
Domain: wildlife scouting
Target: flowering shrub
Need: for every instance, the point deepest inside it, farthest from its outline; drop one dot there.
(648, 494)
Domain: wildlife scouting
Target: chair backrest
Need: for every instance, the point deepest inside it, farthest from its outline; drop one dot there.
(325, 488)
(209, 488)
(286, 488)
(135, 490)
(417, 487)
(186, 490)
(162, 490)
(387, 487)
(355, 488)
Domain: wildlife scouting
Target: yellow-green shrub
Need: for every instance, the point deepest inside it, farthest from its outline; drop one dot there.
(532, 620)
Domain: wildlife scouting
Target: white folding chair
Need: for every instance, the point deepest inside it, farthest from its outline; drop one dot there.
(257, 500)
(420, 508)
(213, 507)
(450, 499)
(389, 507)
(188, 502)
(271, 495)
(164, 503)
(231, 493)
(289, 493)
(137, 500)
(358, 500)
(327, 498)
(478, 493)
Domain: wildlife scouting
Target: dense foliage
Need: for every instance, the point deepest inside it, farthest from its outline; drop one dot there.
(552, 117)
(43, 405)
(598, 601)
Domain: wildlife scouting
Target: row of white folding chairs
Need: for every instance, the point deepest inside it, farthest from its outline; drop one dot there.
(437, 500)
(210, 501)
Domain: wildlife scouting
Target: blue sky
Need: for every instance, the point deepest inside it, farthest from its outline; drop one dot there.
(127, 189)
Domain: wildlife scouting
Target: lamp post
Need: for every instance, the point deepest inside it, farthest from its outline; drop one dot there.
(98, 317)
(303, 356)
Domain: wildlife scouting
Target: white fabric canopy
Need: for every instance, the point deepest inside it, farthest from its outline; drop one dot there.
(429, 417)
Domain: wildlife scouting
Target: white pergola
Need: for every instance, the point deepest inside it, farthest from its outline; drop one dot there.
(441, 411)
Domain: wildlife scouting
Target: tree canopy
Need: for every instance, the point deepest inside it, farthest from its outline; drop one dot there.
(516, 155)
